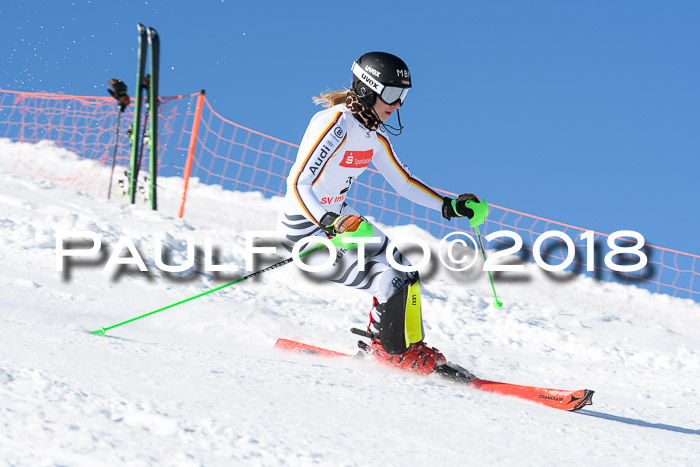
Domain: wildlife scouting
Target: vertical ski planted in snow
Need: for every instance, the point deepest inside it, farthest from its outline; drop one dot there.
(138, 104)
(145, 127)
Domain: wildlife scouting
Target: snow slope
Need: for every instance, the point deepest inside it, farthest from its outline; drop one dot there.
(200, 384)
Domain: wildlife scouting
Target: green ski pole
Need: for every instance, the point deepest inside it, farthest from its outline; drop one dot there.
(481, 210)
(364, 230)
(496, 303)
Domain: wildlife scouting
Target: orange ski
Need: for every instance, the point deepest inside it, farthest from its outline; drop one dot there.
(298, 347)
(556, 398)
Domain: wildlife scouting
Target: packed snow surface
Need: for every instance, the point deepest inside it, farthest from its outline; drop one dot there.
(200, 383)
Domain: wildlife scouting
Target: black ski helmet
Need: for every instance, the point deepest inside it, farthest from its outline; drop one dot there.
(373, 72)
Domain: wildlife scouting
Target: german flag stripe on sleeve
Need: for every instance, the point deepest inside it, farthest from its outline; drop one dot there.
(318, 141)
(416, 183)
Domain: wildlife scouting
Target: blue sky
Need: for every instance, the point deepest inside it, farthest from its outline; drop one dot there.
(587, 113)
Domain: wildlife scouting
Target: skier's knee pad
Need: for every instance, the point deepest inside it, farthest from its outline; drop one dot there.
(400, 323)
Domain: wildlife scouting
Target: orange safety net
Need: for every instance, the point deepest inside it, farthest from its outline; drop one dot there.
(238, 158)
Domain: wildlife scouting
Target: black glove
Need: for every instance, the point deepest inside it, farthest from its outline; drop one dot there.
(118, 91)
(458, 207)
(333, 224)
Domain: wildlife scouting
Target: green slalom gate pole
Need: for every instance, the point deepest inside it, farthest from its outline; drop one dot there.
(364, 230)
(481, 210)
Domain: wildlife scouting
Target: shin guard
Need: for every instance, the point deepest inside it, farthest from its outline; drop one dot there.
(400, 322)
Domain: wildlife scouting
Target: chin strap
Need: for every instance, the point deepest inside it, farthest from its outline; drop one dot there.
(397, 130)
(363, 111)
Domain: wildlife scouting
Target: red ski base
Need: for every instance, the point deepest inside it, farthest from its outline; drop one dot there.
(556, 398)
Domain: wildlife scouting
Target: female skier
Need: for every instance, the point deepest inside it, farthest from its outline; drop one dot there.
(337, 147)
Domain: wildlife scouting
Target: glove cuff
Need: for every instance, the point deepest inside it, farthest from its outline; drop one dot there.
(448, 211)
(327, 223)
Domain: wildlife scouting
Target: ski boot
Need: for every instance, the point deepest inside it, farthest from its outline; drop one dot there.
(419, 358)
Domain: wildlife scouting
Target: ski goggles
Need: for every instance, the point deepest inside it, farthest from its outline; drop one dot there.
(389, 94)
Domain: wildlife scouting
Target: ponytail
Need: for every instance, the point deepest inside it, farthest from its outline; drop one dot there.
(330, 98)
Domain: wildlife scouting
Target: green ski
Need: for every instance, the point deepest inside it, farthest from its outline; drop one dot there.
(154, 46)
(141, 65)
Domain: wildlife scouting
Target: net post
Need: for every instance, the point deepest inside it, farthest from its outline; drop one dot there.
(190, 152)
